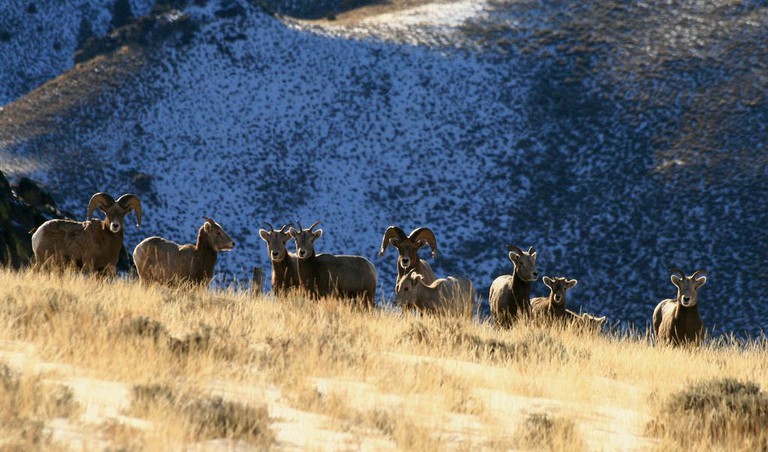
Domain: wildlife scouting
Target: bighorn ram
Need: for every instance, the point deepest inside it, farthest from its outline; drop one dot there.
(408, 247)
(284, 264)
(324, 275)
(162, 261)
(91, 245)
(451, 295)
(678, 321)
(553, 306)
(510, 295)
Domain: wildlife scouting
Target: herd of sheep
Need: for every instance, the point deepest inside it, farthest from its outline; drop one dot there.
(94, 246)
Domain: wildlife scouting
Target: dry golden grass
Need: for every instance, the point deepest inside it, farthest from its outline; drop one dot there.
(90, 363)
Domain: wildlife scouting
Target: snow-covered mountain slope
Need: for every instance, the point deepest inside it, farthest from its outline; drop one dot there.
(38, 38)
(256, 120)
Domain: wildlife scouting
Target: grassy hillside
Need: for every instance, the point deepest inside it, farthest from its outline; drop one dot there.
(87, 363)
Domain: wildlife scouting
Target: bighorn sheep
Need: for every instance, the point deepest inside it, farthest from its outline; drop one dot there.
(451, 295)
(284, 264)
(324, 275)
(553, 306)
(586, 321)
(510, 295)
(408, 247)
(91, 245)
(678, 322)
(162, 261)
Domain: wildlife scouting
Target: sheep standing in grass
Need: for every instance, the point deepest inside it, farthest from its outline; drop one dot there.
(454, 295)
(677, 321)
(553, 306)
(284, 264)
(510, 295)
(92, 245)
(323, 275)
(162, 261)
(408, 247)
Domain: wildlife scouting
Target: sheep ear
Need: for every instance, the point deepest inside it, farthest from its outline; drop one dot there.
(700, 281)
(569, 283)
(513, 256)
(317, 234)
(207, 226)
(264, 234)
(394, 242)
(547, 281)
(675, 280)
(292, 232)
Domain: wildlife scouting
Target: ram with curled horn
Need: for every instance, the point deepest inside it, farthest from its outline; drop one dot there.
(165, 262)
(93, 245)
(510, 295)
(284, 264)
(408, 247)
(678, 321)
(329, 275)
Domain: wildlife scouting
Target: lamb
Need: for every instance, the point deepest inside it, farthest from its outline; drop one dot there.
(553, 306)
(284, 264)
(408, 247)
(453, 295)
(165, 262)
(510, 295)
(93, 245)
(323, 275)
(677, 321)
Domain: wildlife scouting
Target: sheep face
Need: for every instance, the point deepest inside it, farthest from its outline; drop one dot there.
(217, 238)
(408, 246)
(688, 287)
(525, 263)
(558, 286)
(305, 240)
(276, 241)
(115, 211)
(406, 290)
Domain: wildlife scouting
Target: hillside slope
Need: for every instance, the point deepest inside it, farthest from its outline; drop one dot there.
(497, 128)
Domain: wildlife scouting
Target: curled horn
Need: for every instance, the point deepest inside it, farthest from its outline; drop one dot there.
(515, 249)
(677, 270)
(314, 224)
(271, 229)
(428, 236)
(101, 201)
(131, 202)
(391, 233)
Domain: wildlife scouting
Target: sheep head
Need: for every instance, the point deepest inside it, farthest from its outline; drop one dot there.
(558, 286)
(115, 211)
(305, 240)
(687, 286)
(215, 235)
(276, 241)
(406, 289)
(525, 263)
(408, 247)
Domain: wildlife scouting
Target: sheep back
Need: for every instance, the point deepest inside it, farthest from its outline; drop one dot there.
(339, 275)
(160, 260)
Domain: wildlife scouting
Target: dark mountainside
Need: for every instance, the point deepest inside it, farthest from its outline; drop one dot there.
(620, 140)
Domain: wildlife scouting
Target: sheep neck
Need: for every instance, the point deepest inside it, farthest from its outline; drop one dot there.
(206, 254)
(521, 290)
